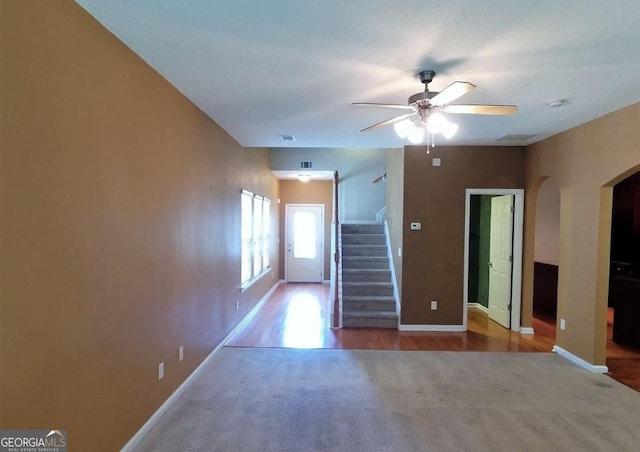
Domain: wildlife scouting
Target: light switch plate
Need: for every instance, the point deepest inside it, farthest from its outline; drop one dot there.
(416, 226)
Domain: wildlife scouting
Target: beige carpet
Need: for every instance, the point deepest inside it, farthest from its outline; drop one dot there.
(347, 400)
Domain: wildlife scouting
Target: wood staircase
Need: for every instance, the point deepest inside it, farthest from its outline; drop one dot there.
(367, 290)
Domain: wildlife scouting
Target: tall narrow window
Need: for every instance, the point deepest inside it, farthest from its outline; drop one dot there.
(256, 218)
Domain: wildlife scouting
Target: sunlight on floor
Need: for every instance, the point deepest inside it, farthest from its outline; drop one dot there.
(303, 323)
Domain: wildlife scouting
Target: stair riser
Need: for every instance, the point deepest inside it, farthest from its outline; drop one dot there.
(364, 262)
(380, 276)
(386, 290)
(369, 323)
(364, 250)
(369, 306)
(363, 239)
(362, 229)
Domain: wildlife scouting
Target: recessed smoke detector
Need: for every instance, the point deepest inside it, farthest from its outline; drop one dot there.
(285, 137)
(557, 103)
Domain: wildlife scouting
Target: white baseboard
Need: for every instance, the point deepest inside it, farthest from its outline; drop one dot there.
(478, 306)
(596, 369)
(155, 417)
(444, 328)
(526, 330)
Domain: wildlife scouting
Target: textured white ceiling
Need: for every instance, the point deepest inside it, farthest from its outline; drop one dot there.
(260, 68)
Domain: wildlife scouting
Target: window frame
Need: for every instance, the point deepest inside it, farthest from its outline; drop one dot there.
(255, 237)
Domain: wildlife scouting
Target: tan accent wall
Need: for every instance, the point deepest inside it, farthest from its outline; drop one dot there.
(312, 192)
(586, 162)
(433, 258)
(119, 230)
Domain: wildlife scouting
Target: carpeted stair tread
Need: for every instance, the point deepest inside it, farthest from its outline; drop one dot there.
(362, 229)
(376, 303)
(364, 250)
(365, 284)
(366, 298)
(367, 290)
(371, 319)
(363, 239)
(371, 315)
(366, 275)
(349, 262)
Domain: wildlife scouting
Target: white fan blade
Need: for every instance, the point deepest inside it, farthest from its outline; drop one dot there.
(451, 93)
(369, 104)
(388, 121)
(481, 109)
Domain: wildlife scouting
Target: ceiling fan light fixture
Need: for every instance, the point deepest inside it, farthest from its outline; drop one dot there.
(416, 134)
(403, 127)
(449, 130)
(437, 123)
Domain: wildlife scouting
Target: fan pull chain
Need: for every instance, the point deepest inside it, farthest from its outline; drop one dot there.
(431, 140)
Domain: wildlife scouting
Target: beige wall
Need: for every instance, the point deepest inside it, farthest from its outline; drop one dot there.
(585, 162)
(547, 227)
(312, 192)
(433, 258)
(119, 229)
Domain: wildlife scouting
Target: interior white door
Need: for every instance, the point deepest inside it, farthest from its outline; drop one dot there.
(500, 259)
(304, 242)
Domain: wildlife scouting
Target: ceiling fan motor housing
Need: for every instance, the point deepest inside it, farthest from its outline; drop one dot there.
(422, 98)
(426, 76)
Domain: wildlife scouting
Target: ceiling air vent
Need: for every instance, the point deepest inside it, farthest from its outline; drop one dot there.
(306, 165)
(515, 139)
(284, 137)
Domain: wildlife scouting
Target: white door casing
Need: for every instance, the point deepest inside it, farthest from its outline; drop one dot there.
(501, 259)
(304, 245)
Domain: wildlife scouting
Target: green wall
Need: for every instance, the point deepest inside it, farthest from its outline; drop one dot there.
(479, 234)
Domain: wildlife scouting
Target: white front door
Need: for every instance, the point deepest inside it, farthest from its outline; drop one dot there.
(304, 242)
(500, 259)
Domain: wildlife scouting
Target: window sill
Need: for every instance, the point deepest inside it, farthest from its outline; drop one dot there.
(251, 282)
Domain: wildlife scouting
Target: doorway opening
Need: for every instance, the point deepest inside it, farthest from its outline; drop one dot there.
(503, 278)
(623, 310)
(545, 272)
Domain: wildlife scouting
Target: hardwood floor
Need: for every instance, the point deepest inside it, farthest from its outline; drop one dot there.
(297, 316)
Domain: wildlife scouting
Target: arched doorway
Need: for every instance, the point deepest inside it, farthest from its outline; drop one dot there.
(547, 231)
(623, 309)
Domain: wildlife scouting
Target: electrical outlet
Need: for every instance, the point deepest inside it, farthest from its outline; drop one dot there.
(434, 305)
(181, 353)
(562, 324)
(160, 371)
(237, 305)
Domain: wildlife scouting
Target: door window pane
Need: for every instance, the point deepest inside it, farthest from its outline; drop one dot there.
(304, 235)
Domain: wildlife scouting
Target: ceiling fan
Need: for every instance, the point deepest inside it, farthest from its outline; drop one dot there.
(423, 108)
